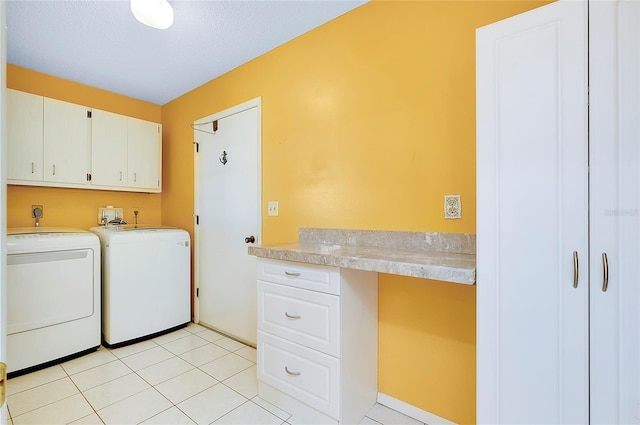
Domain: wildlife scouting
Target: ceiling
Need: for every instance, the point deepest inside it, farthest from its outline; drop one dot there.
(100, 43)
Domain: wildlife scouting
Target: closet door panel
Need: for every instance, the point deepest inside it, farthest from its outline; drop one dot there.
(614, 211)
(532, 216)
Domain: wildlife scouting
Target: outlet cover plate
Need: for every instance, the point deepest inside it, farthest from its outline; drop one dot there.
(452, 207)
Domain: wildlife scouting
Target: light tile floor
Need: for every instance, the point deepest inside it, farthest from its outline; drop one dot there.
(191, 376)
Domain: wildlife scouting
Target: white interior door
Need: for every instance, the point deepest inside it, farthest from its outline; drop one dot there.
(228, 211)
(532, 187)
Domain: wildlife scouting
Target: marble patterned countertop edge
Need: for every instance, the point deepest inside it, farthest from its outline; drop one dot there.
(448, 257)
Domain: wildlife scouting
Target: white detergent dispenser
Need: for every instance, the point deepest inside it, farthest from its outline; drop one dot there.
(146, 281)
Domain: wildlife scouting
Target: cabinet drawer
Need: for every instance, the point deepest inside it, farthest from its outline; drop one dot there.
(307, 276)
(302, 373)
(305, 317)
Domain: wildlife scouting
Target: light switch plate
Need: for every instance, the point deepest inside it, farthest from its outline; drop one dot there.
(272, 208)
(452, 206)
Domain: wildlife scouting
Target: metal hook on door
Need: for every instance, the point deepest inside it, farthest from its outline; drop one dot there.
(223, 158)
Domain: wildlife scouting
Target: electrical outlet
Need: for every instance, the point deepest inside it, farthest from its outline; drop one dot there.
(272, 208)
(452, 206)
(39, 209)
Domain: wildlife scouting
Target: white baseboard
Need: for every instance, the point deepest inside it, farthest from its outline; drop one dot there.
(412, 411)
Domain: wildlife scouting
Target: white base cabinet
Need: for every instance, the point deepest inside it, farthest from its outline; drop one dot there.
(317, 340)
(558, 234)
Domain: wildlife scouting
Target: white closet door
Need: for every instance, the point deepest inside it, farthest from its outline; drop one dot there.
(614, 47)
(532, 323)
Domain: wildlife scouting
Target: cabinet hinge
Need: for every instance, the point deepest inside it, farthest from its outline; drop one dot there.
(88, 114)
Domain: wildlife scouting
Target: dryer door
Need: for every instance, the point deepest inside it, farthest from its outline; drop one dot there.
(47, 288)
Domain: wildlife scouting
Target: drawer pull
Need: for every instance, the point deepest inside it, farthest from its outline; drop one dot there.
(292, 274)
(289, 316)
(286, 369)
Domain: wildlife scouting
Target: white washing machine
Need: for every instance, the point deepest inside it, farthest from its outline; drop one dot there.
(53, 295)
(146, 281)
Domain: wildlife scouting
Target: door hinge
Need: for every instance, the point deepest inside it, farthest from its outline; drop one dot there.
(88, 114)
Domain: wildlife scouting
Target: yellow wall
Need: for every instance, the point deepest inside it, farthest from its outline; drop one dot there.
(367, 122)
(77, 207)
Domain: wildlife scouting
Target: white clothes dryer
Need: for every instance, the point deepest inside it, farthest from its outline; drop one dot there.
(146, 281)
(53, 295)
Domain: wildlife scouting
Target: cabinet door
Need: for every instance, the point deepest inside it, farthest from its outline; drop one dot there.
(66, 142)
(145, 154)
(108, 149)
(24, 135)
(614, 149)
(532, 298)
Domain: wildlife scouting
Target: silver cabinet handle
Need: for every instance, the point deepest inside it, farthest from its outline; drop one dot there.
(135, 177)
(120, 175)
(292, 274)
(286, 369)
(33, 167)
(54, 169)
(289, 316)
(605, 272)
(575, 269)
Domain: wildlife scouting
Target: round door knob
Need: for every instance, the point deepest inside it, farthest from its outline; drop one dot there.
(250, 239)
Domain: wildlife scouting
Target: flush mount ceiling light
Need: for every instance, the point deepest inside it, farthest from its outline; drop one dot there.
(154, 13)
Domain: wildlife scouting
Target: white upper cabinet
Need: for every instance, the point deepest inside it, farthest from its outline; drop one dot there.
(558, 187)
(144, 154)
(24, 136)
(108, 149)
(61, 144)
(66, 142)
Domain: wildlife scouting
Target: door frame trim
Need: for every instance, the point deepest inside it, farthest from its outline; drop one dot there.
(253, 103)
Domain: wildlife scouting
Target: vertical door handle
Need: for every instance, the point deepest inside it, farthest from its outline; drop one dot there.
(135, 177)
(575, 269)
(605, 272)
(120, 175)
(33, 167)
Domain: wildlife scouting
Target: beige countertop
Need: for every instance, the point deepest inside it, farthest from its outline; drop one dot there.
(448, 257)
